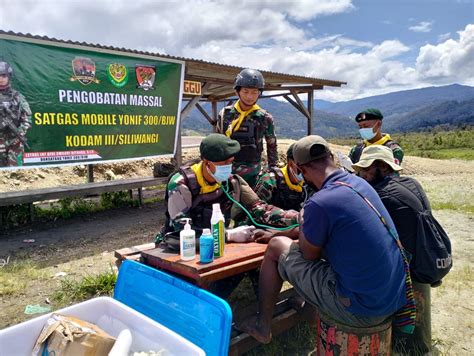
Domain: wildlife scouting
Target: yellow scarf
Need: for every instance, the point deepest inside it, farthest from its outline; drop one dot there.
(205, 187)
(296, 187)
(379, 142)
(235, 124)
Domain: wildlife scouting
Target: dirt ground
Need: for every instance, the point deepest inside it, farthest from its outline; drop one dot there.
(84, 245)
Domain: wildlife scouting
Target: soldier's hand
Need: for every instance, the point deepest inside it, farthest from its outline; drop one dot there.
(242, 233)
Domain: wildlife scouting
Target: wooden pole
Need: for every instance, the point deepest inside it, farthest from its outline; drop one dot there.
(311, 111)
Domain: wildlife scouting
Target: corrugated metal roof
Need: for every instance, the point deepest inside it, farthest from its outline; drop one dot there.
(220, 77)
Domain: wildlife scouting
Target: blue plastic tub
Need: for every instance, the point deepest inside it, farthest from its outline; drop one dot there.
(197, 315)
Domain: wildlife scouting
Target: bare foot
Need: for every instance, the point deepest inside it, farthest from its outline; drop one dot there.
(249, 326)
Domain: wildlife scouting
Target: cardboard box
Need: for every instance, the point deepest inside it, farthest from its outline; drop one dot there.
(67, 335)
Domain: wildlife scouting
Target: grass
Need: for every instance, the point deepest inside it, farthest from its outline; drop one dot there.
(72, 291)
(299, 340)
(446, 153)
(437, 143)
(66, 208)
(14, 276)
(444, 195)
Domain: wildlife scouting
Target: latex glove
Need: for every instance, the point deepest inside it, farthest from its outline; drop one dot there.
(242, 233)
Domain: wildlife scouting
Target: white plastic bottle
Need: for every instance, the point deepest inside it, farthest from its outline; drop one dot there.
(218, 230)
(187, 243)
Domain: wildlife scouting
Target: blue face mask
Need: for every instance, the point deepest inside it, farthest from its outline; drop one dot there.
(222, 173)
(299, 176)
(367, 133)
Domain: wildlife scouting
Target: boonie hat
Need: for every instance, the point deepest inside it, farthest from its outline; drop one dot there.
(310, 148)
(218, 147)
(369, 114)
(376, 153)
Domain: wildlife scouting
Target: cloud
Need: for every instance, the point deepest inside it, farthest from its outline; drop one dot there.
(449, 61)
(423, 26)
(278, 39)
(444, 36)
(389, 49)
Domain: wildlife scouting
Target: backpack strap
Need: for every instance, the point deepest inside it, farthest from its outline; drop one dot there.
(404, 318)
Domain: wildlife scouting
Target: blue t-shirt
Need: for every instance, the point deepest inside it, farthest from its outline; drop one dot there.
(360, 250)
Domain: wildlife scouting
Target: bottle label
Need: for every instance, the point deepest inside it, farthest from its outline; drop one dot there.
(218, 235)
(207, 249)
(189, 249)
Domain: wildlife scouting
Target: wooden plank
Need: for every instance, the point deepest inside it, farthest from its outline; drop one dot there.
(29, 196)
(233, 254)
(134, 250)
(284, 318)
(238, 258)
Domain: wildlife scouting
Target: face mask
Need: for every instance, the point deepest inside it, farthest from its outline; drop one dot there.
(222, 173)
(367, 133)
(299, 176)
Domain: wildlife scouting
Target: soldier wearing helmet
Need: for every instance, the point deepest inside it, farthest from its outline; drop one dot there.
(249, 124)
(15, 120)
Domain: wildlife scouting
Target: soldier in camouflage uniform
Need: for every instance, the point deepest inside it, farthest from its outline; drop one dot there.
(283, 187)
(247, 123)
(370, 129)
(194, 188)
(15, 120)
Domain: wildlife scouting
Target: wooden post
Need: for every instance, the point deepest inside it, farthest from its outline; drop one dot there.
(186, 110)
(311, 111)
(90, 173)
(140, 197)
(214, 115)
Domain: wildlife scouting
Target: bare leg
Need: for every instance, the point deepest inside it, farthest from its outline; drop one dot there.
(269, 287)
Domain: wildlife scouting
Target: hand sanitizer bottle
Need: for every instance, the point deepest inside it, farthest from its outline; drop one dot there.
(187, 242)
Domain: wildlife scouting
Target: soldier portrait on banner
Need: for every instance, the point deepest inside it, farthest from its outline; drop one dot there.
(15, 120)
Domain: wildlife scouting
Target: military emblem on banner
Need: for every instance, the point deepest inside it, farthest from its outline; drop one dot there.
(84, 71)
(117, 74)
(145, 76)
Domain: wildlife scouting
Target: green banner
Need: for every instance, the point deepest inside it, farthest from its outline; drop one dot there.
(69, 104)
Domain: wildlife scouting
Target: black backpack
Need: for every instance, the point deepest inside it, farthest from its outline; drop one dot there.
(432, 259)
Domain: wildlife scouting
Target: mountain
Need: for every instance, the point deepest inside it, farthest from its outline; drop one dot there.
(404, 111)
(401, 102)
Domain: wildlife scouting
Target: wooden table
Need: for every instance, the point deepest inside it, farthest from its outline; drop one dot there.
(237, 259)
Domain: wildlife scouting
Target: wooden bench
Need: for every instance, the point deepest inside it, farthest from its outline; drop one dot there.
(79, 190)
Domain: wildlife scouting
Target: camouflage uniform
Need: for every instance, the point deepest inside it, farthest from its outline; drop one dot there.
(185, 201)
(272, 189)
(257, 126)
(386, 140)
(14, 108)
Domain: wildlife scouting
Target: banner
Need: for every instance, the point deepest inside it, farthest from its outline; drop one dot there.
(70, 104)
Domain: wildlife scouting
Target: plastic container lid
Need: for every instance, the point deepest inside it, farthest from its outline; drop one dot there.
(197, 315)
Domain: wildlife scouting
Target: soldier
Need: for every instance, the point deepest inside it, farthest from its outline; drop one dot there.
(15, 120)
(247, 123)
(194, 188)
(283, 187)
(370, 129)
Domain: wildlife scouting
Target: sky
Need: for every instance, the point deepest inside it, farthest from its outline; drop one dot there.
(376, 46)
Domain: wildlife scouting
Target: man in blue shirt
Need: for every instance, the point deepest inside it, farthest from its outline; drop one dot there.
(360, 281)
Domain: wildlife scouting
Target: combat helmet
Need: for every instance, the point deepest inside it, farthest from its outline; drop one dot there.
(6, 69)
(249, 78)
